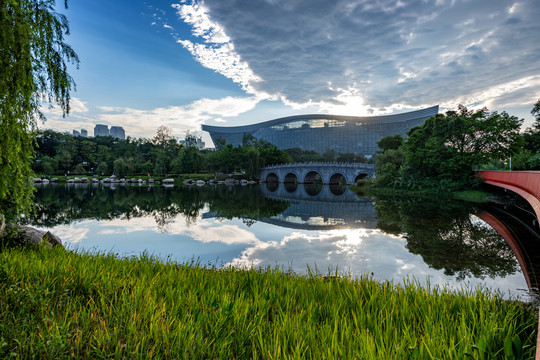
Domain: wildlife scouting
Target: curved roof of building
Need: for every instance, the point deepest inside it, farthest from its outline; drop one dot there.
(427, 112)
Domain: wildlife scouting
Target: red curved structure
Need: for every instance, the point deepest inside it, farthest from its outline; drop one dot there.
(524, 183)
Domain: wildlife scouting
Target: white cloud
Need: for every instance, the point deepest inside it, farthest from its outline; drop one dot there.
(217, 51)
(202, 230)
(144, 123)
(70, 234)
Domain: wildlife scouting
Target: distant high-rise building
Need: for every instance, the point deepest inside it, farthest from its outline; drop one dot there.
(101, 130)
(76, 133)
(118, 132)
(84, 133)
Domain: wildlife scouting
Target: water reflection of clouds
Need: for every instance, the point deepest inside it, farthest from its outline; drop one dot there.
(71, 234)
(204, 231)
(357, 252)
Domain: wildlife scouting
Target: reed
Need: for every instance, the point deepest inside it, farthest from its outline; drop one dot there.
(57, 304)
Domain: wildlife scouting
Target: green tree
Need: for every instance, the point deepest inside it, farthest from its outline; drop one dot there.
(33, 58)
(120, 167)
(445, 149)
(163, 135)
(388, 167)
(532, 135)
(390, 142)
(102, 168)
(536, 113)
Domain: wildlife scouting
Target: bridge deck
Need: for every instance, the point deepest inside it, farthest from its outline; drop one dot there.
(524, 183)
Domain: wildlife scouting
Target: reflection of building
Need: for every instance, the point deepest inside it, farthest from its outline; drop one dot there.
(344, 134)
(101, 130)
(115, 131)
(118, 132)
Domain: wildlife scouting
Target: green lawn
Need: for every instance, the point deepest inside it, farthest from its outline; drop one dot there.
(57, 304)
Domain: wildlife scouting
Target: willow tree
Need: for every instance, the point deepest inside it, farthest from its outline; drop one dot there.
(33, 71)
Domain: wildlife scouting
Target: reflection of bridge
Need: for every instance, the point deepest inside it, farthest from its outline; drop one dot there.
(323, 211)
(523, 239)
(310, 172)
(524, 183)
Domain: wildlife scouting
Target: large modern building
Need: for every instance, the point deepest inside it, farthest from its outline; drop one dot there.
(319, 132)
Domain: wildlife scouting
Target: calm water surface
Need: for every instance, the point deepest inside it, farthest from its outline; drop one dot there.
(443, 242)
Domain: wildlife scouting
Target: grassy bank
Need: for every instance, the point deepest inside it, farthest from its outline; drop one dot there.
(469, 195)
(56, 304)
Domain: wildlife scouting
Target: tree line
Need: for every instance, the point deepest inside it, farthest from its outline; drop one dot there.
(62, 153)
(445, 151)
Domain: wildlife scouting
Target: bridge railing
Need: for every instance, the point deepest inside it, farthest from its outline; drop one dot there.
(318, 163)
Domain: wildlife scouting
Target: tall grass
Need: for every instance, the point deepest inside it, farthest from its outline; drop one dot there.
(56, 304)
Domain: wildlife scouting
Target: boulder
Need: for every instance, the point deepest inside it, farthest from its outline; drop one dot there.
(54, 180)
(187, 182)
(37, 180)
(45, 181)
(34, 236)
(168, 181)
(200, 182)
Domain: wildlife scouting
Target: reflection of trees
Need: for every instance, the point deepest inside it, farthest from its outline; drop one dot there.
(244, 202)
(448, 236)
(58, 204)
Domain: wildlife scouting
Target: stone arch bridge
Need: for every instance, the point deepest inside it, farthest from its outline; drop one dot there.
(313, 172)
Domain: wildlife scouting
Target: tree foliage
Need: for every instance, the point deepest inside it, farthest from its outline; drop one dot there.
(33, 63)
(444, 151)
(390, 142)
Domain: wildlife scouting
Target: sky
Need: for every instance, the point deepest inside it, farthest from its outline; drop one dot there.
(184, 63)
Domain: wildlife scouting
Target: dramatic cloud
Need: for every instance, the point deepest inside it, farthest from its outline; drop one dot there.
(216, 52)
(372, 57)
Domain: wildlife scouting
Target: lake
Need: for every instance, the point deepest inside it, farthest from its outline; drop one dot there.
(440, 241)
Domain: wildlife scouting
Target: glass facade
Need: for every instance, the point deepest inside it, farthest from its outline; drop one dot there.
(344, 134)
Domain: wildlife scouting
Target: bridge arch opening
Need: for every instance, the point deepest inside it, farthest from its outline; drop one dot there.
(272, 177)
(290, 178)
(313, 177)
(313, 183)
(338, 179)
